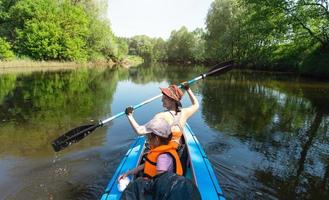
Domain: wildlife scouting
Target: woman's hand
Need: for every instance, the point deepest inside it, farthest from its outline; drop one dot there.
(185, 85)
(129, 110)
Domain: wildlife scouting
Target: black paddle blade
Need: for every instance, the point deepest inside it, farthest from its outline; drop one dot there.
(73, 136)
(220, 68)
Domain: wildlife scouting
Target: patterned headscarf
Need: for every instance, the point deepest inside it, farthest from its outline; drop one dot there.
(173, 92)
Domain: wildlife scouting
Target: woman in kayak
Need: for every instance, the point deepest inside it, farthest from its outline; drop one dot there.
(162, 156)
(174, 114)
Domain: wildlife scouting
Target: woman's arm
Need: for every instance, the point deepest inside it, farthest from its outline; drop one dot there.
(140, 130)
(189, 111)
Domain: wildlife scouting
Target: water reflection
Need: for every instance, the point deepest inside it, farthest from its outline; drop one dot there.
(284, 121)
(36, 108)
(160, 72)
(265, 134)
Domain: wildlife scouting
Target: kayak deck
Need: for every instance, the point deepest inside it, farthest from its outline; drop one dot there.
(199, 171)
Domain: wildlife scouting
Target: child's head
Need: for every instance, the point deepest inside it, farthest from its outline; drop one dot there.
(159, 132)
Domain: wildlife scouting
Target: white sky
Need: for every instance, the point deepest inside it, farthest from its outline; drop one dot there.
(156, 18)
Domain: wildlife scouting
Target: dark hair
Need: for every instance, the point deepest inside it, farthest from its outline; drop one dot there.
(177, 106)
(162, 140)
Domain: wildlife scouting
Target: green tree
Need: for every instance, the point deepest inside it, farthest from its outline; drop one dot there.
(223, 34)
(101, 41)
(60, 30)
(5, 50)
(182, 46)
(141, 45)
(277, 34)
(159, 50)
(199, 48)
(47, 30)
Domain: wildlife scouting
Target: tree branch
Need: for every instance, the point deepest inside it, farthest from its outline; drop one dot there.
(326, 11)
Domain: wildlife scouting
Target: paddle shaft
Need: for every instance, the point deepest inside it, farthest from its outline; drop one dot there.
(80, 132)
(202, 76)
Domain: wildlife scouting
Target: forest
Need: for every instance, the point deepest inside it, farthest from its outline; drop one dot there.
(276, 35)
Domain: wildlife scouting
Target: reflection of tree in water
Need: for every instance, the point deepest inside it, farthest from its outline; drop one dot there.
(43, 105)
(284, 120)
(7, 84)
(246, 106)
(158, 72)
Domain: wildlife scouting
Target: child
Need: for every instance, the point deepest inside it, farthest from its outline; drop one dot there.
(163, 156)
(162, 177)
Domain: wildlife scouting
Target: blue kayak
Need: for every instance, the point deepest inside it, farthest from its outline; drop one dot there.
(199, 169)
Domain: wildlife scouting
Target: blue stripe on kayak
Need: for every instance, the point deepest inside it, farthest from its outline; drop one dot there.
(204, 175)
(130, 161)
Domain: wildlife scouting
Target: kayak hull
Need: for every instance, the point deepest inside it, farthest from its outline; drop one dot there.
(200, 170)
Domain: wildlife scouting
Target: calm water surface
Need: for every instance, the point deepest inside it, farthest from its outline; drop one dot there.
(266, 135)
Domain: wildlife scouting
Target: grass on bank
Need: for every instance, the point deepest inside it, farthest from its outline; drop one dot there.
(29, 63)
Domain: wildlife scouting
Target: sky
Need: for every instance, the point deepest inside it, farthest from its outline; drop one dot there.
(156, 18)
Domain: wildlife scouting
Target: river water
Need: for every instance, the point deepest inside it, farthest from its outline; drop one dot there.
(266, 134)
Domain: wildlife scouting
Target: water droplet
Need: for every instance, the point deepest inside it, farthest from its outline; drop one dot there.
(259, 193)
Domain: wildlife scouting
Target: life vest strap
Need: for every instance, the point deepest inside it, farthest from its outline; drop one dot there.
(151, 162)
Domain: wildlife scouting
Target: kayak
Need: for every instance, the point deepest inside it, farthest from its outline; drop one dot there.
(199, 168)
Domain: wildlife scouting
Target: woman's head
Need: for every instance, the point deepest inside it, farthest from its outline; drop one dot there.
(158, 132)
(171, 97)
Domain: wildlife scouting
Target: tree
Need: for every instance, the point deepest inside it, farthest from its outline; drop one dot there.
(159, 50)
(276, 34)
(199, 48)
(180, 45)
(141, 45)
(5, 50)
(59, 30)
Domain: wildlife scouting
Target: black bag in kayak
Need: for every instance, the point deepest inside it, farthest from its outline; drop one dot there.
(165, 186)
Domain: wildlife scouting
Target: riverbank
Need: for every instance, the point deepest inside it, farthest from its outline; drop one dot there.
(32, 65)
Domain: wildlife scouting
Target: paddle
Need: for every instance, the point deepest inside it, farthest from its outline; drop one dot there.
(81, 132)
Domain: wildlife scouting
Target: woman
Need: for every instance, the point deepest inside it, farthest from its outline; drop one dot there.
(173, 114)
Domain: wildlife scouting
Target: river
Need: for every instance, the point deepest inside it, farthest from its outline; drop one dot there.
(266, 134)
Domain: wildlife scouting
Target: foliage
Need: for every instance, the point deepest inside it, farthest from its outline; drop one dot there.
(186, 46)
(60, 30)
(5, 50)
(141, 45)
(159, 50)
(56, 101)
(7, 84)
(101, 41)
(277, 34)
(219, 37)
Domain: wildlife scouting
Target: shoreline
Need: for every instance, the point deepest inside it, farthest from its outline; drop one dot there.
(24, 66)
(32, 65)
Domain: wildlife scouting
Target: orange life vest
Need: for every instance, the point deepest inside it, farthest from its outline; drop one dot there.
(150, 169)
(175, 139)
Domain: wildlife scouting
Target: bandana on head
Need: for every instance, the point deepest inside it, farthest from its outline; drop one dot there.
(173, 92)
